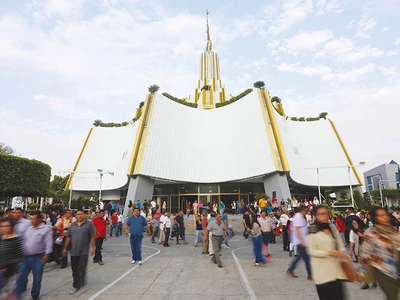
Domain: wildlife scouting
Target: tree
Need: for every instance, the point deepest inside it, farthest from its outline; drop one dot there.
(259, 85)
(323, 115)
(359, 200)
(367, 197)
(153, 88)
(97, 122)
(5, 149)
(327, 196)
(141, 104)
(343, 196)
(276, 99)
(23, 177)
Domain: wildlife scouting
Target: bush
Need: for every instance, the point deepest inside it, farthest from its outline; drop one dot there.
(259, 85)
(23, 177)
(293, 118)
(141, 104)
(153, 88)
(302, 119)
(323, 115)
(276, 99)
(194, 105)
(233, 99)
(33, 206)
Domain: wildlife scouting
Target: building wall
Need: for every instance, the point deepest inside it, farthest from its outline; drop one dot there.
(389, 173)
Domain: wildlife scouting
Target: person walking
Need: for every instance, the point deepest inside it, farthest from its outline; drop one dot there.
(167, 228)
(162, 233)
(327, 252)
(38, 244)
(381, 251)
(283, 220)
(265, 226)
(81, 237)
(257, 243)
(179, 221)
(216, 227)
(155, 223)
(120, 222)
(204, 224)
(62, 226)
(100, 226)
(114, 224)
(199, 229)
(299, 239)
(135, 227)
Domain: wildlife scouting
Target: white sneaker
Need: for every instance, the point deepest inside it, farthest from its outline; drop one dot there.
(140, 262)
(133, 261)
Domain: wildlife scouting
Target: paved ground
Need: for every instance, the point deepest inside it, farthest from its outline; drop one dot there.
(182, 272)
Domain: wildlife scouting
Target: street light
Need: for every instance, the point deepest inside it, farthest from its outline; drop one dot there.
(70, 190)
(101, 173)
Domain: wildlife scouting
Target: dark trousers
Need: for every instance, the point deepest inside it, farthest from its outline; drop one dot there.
(285, 233)
(167, 232)
(302, 254)
(265, 237)
(272, 238)
(156, 232)
(217, 241)
(79, 265)
(180, 233)
(136, 247)
(120, 228)
(388, 285)
(97, 254)
(331, 290)
(30, 263)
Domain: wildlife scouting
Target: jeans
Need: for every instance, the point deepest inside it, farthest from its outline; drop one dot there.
(97, 254)
(115, 227)
(257, 247)
(167, 231)
(285, 233)
(302, 254)
(31, 263)
(79, 265)
(136, 247)
(266, 237)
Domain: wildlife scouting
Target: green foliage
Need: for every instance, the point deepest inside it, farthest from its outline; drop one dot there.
(141, 104)
(83, 202)
(327, 196)
(124, 123)
(390, 193)
(311, 119)
(97, 122)
(367, 197)
(233, 99)
(5, 149)
(135, 119)
(323, 115)
(23, 177)
(153, 88)
(302, 119)
(206, 87)
(33, 206)
(260, 196)
(294, 119)
(194, 105)
(343, 196)
(359, 200)
(276, 99)
(259, 85)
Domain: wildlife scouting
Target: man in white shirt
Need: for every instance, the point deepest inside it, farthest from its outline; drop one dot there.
(120, 222)
(162, 233)
(167, 228)
(101, 204)
(299, 238)
(283, 220)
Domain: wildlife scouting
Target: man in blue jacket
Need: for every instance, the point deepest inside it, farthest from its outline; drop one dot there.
(135, 227)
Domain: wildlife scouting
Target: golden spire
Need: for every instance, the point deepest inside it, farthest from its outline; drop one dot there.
(209, 42)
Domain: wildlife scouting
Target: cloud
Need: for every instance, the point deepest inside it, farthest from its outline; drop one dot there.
(353, 75)
(397, 42)
(365, 27)
(344, 49)
(323, 7)
(309, 71)
(385, 29)
(307, 41)
(293, 12)
(393, 52)
(391, 71)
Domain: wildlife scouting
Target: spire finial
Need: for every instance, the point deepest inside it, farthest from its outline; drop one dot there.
(209, 42)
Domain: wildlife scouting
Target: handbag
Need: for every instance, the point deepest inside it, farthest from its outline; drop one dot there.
(59, 240)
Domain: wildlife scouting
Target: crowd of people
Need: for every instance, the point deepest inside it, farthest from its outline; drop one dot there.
(312, 233)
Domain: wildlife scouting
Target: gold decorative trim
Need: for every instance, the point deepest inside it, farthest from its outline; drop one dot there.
(79, 158)
(275, 130)
(139, 135)
(346, 153)
(214, 84)
(211, 97)
(145, 134)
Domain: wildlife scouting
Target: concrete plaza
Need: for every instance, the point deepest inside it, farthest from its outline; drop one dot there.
(182, 272)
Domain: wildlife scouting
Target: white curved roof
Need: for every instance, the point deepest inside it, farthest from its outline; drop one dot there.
(195, 145)
(109, 149)
(314, 145)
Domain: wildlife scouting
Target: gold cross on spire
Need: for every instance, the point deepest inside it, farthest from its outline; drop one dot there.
(209, 42)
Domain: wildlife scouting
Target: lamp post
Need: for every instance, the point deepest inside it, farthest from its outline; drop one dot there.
(101, 173)
(70, 190)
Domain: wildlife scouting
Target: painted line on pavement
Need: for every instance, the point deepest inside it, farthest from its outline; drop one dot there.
(123, 275)
(245, 280)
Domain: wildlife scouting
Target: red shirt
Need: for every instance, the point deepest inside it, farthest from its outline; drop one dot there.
(100, 225)
(114, 219)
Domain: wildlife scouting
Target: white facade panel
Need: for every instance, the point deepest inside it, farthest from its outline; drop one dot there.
(109, 149)
(314, 145)
(194, 145)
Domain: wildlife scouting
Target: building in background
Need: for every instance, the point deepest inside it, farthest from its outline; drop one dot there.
(213, 148)
(386, 174)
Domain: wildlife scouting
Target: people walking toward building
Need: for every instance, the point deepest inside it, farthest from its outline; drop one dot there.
(226, 226)
(81, 236)
(164, 207)
(62, 226)
(201, 204)
(356, 238)
(274, 222)
(199, 229)
(100, 226)
(381, 251)
(38, 244)
(195, 208)
(211, 217)
(257, 238)
(283, 220)
(216, 227)
(234, 207)
(299, 239)
(204, 224)
(161, 236)
(350, 216)
(138, 205)
(120, 222)
(155, 223)
(11, 254)
(114, 224)
(167, 228)
(221, 208)
(135, 226)
(327, 251)
(246, 224)
(180, 223)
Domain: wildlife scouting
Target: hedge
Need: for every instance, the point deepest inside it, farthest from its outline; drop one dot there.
(194, 105)
(23, 177)
(233, 99)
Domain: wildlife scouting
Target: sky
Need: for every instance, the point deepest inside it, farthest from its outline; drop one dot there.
(66, 63)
